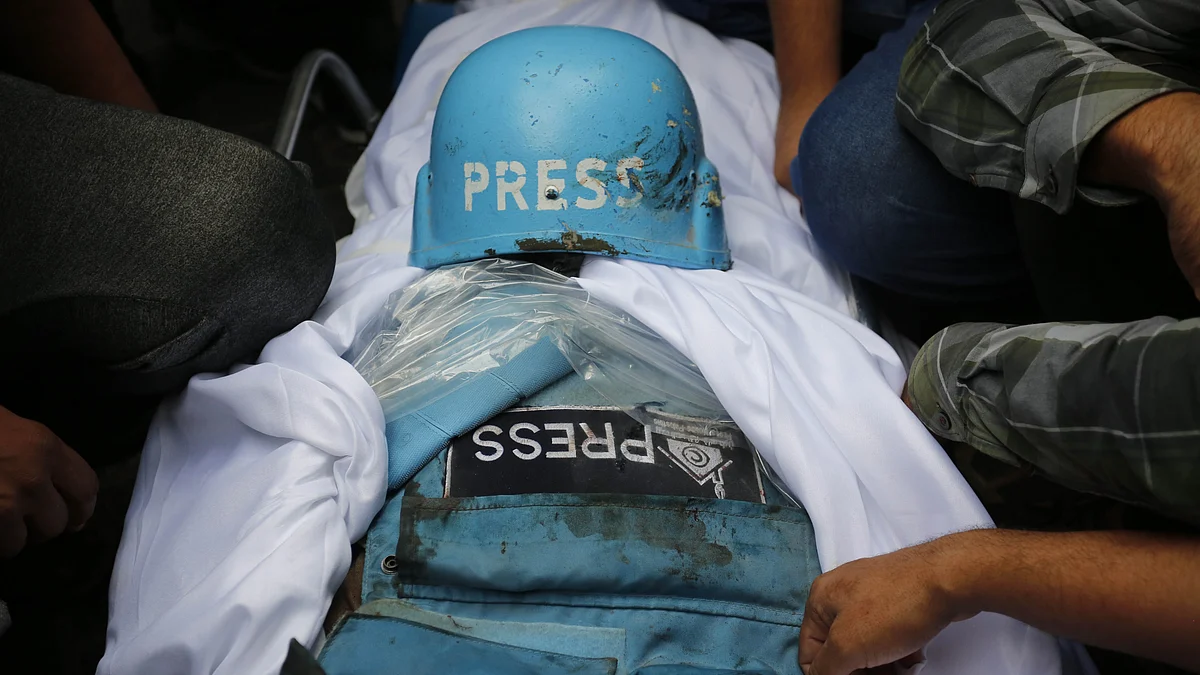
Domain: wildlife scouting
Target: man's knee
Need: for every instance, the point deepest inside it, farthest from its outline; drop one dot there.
(150, 245)
(880, 205)
(273, 247)
(844, 190)
(257, 256)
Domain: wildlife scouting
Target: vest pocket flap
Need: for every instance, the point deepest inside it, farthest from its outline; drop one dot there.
(373, 645)
(629, 545)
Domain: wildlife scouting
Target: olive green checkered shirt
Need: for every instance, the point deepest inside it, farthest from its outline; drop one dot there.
(1107, 409)
(1008, 93)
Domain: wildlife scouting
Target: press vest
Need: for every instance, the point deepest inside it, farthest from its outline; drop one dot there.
(559, 534)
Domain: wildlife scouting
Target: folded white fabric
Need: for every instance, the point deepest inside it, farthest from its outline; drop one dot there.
(253, 484)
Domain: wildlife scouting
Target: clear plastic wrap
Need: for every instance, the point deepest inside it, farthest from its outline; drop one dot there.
(462, 320)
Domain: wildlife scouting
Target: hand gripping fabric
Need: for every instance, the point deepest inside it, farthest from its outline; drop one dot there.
(568, 139)
(415, 438)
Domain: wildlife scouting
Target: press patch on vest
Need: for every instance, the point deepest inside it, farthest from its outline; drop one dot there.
(596, 450)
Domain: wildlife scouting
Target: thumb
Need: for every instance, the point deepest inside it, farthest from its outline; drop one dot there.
(814, 630)
(832, 658)
(76, 482)
(822, 649)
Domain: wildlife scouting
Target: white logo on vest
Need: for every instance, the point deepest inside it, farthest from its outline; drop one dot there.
(701, 462)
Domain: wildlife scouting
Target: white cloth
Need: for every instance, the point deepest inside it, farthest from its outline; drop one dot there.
(253, 484)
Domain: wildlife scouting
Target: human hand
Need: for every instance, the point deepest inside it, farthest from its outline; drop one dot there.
(45, 487)
(877, 611)
(794, 113)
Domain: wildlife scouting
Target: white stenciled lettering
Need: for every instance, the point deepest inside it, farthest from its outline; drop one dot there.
(583, 174)
(567, 440)
(623, 167)
(497, 449)
(608, 442)
(646, 456)
(535, 448)
(504, 187)
(550, 190)
(473, 185)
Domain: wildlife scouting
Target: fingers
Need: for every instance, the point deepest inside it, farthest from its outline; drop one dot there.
(840, 643)
(12, 532)
(45, 487)
(820, 651)
(45, 503)
(76, 482)
(783, 172)
(787, 141)
(794, 114)
(45, 513)
(832, 658)
(813, 633)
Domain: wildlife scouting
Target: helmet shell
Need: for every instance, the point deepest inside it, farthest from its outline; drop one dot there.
(568, 139)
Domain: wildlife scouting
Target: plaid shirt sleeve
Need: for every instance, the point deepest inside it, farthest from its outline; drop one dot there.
(1008, 93)
(1108, 409)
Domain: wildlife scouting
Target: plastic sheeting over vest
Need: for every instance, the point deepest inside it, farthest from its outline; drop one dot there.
(463, 320)
(449, 334)
(254, 483)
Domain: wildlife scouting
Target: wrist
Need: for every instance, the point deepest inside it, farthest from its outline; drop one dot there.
(808, 93)
(1151, 148)
(962, 565)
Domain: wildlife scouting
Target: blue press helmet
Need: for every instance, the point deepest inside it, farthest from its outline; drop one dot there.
(568, 139)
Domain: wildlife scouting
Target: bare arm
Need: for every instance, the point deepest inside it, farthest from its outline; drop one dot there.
(1132, 592)
(1155, 148)
(65, 45)
(808, 43)
(1137, 593)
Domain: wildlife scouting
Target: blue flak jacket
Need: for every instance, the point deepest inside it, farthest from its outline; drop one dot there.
(564, 536)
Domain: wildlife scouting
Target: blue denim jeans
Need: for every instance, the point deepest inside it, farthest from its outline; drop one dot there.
(880, 204)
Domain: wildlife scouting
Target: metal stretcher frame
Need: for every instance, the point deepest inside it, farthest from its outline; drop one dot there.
(296, 103)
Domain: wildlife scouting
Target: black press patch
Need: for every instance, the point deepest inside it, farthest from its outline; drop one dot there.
(602, 450)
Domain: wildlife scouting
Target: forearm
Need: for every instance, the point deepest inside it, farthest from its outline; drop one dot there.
(808, 43)
(1132, 592)
(1155, 148)
(65, 45)
(1150, 147)
(960, 95)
